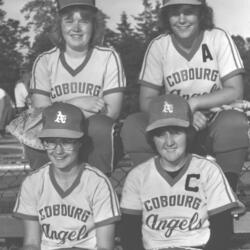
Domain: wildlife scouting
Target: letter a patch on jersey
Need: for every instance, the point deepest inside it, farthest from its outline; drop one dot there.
(167, 108)
(60, 117)
(206, 54)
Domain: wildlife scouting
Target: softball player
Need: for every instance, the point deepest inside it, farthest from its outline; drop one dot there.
(80, 72)
(181, 198)
(70, 203)
(201, 63)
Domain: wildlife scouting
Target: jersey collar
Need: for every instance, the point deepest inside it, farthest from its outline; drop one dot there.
(188, 56)
(60, 191)
(172, 181)
(72, 71)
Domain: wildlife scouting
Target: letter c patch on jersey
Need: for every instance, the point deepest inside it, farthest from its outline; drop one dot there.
(188, 185)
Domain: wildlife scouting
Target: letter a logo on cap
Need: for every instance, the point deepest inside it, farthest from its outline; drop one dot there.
(167, 108)
(60, 118)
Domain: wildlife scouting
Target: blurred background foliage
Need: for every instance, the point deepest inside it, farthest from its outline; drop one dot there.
(129, 39)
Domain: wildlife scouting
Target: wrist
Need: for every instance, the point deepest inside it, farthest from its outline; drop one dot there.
(193, 103)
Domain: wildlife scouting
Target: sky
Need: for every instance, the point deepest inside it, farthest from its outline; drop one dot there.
(231, 15)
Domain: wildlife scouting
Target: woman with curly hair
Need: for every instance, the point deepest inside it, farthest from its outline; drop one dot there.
(81, 72)
(200, 62)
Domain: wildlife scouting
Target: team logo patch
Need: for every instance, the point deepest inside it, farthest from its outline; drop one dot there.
(167, 108)
(60, 117)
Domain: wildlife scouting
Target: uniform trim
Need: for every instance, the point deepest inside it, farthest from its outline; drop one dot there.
(112, 139)
(39, 91)
(38, 59)
(121, 74)
(131, 211)
(16, 207)
(108, 221)
(114, 90)
(234, 49)
(25, 216)
(147, 51)
(74, 72)
(229, 192)
(113, 199)
(148, 84)
(233, 73)
(194, 49)
(75, 183)
(119, 68)
(222, 209)
(164, 174)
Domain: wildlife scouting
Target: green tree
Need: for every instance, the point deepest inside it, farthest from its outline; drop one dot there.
(124, 27)
(244, 51)
(13, 39)
(131, 50)
(147, 26)
(40, 14)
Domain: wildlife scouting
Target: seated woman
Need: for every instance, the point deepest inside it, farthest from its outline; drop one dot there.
(177, 199)
(67, 203)
(201, 63)
(79, 71)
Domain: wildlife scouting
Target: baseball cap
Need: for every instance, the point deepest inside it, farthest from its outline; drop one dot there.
(67, 3)
(62, 120)
(166, 3)
(169, 110)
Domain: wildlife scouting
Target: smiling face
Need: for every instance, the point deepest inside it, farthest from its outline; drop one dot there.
(77, 28)
(62, 152)
(171, 144)
(184, 21)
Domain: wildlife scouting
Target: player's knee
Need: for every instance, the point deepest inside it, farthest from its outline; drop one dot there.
(230, 131)
(100, 126)
(133, 123)
(232, 121)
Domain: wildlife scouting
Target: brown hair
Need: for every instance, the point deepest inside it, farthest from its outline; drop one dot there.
(206, 18)
(189, 131)
(98, 27)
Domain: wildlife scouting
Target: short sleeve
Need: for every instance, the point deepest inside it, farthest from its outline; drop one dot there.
(40, 79)
(131, 199)
(25, 206)
(220, 196)
(114, 79)
(105, 203)
(229, 60)
(152, 68)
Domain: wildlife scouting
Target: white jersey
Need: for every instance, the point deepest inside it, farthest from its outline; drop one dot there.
(21, 94)
(100, 73)
(68, 218)
(175, 211)
(2, 93)
(213, 59)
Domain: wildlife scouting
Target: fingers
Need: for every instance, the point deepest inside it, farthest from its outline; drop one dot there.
(99, 105)
(199, 121)
(240, 210)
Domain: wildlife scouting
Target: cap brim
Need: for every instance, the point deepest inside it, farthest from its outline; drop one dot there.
(176, 2)
(167, 122)
(77, 4)
(60, 133)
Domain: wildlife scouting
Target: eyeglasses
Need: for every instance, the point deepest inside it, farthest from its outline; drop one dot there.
(66, 144)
